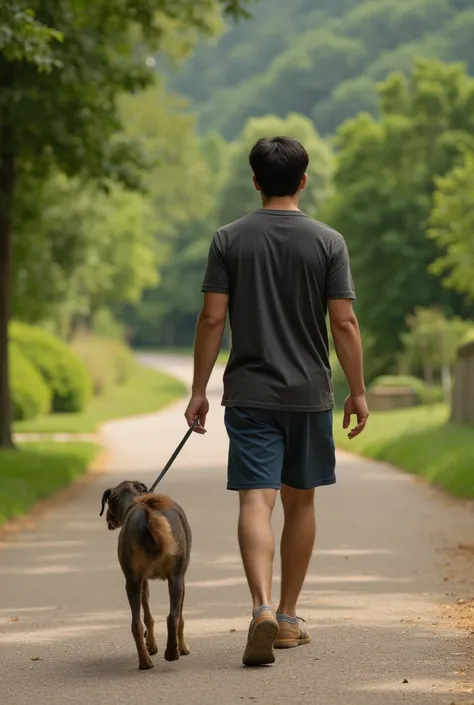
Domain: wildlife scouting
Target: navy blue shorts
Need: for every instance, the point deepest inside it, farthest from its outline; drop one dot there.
(269, 448)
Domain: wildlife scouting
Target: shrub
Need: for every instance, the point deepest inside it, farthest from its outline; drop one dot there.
(63, 372)
(30, 395)
(108, 361)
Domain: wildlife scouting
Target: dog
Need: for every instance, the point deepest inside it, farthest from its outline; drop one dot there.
(154, 544)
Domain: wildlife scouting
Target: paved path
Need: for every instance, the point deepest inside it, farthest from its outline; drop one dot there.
(372, 600)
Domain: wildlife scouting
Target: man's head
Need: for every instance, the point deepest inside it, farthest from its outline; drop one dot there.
(279, 166)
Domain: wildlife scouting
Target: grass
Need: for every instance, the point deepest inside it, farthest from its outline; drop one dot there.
(36, 471)
(421, 441)
(145, 391)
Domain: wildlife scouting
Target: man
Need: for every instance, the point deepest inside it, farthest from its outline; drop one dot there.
(278, 272)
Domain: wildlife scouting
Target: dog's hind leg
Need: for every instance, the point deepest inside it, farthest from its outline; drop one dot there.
(176, 589)
(134, 593)
(151, 644)
(183, 647)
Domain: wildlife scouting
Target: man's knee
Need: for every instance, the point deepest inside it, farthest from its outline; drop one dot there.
(294, 499)
(258, 498)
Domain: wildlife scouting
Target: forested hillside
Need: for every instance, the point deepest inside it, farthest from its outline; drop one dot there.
(320, 58)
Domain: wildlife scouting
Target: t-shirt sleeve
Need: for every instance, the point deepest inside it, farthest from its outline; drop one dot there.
(216, 278)
(339, 281)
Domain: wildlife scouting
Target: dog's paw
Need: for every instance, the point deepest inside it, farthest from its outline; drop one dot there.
(184, 650)
(145, 665)
(152, 648)
(172, 654)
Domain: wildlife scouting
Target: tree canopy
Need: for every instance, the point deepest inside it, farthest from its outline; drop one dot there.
(320, 59)
(384, 183)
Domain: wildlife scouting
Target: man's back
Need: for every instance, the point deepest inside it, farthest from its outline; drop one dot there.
(279, 268)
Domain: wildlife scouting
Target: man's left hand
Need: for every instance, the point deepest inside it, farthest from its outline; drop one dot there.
(198, 408)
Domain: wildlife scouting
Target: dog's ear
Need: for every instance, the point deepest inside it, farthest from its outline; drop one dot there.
(141, 487)
(105, 498)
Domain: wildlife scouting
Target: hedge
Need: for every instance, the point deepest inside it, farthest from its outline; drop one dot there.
(63, 372)
(30, 395)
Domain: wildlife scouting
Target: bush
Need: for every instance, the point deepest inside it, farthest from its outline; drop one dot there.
(427, 394)
(63, 372)
(108, 361)
(30, 395)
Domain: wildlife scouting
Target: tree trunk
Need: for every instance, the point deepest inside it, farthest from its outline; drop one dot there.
(447, 383)
(7, 186)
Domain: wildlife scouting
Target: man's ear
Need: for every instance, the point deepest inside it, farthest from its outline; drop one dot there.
(255, 183)
(303, 182)
(105, 498)
(140, 487)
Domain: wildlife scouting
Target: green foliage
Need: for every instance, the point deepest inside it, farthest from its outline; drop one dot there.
(63, 372)
(30, 395)
(384, 195)
(108, 362)
(23, 37)
(452, 227)
(38, 470)
(432, 340)
(420, 441)
(274, 63)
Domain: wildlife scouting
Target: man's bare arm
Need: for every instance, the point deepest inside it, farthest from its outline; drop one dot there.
(348, 344)
(209, 332)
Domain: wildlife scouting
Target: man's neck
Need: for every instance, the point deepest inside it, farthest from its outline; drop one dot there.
(285, 203)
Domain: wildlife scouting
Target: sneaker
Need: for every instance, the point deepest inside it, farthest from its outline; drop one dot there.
(263, 631)
(291, 633)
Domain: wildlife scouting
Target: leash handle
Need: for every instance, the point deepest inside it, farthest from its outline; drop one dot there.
(175, 455)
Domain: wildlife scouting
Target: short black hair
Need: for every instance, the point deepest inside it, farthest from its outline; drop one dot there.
(278, 164)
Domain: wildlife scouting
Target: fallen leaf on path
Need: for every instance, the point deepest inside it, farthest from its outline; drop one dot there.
(36, 658)
(404, 680)
(14, 619)
(232, 630)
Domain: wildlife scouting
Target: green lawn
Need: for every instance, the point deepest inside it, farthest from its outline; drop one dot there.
(146, 391)
(421, 441)
(36, 471)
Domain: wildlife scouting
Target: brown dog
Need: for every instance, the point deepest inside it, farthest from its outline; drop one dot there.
(154, 544)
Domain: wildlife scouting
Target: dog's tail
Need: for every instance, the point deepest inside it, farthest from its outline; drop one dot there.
(157, 535)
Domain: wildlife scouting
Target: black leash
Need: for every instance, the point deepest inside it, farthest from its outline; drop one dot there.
(174, 456)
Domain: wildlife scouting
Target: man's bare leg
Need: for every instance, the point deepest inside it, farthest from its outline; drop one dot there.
(257, 547)
(256, 541)
(297, 544)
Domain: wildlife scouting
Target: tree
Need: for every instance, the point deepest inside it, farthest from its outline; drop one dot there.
(76, 125)
(238, 195)
(452, 227)
(385, 180)
(431, 343)
(166, 314)
(273, 63)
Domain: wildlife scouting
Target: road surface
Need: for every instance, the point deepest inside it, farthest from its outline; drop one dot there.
(387, 560)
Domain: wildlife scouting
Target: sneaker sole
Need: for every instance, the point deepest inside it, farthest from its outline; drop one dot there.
(259, 651)
(291, 643)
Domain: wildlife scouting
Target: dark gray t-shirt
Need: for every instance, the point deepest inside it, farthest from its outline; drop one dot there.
(279, 269)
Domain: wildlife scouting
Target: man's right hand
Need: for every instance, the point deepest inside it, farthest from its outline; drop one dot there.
(357, 406)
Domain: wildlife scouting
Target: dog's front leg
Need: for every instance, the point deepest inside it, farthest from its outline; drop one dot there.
(183, 647)
(151, 644)
(134, 593)
(176, 588)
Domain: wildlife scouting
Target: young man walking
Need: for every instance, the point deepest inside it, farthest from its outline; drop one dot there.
(278, 273)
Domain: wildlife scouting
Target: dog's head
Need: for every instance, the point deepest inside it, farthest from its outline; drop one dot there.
(118, 500)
